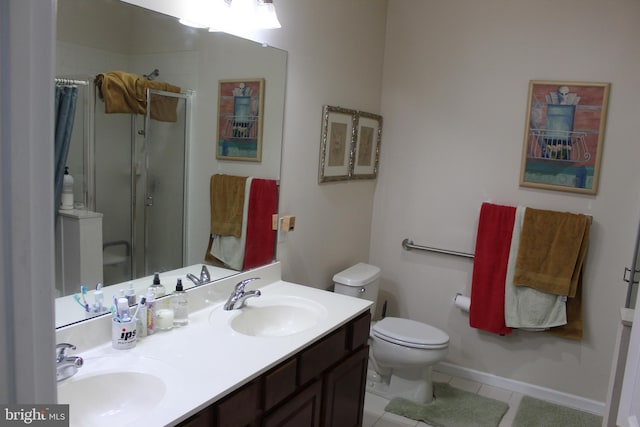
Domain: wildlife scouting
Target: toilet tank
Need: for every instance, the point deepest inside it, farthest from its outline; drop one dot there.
(360, 281)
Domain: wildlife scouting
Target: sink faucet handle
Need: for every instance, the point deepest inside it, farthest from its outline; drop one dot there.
(62, 348)
(240, 286)
(205, 277)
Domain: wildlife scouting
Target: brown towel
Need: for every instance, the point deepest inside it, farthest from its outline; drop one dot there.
(227, 203)
(552, 250)
(127, 93)
(163, 108)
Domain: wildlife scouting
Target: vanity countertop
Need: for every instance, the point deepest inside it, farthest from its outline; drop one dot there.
(206, 360)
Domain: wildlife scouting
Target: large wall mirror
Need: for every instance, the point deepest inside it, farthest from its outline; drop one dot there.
(141, 186)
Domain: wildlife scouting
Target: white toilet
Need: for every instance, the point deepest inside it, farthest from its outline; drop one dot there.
(402, 350)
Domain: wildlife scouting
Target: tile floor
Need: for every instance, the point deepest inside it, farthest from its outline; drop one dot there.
(375, 416)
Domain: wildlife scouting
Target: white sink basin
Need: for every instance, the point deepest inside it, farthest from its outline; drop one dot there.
(110, 391)
(276, 316)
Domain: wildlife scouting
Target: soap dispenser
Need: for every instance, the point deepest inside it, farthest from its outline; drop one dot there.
(66, 200)
(157, 288)
(180, 305)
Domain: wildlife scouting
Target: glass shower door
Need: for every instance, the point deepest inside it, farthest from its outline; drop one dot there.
(164, 196)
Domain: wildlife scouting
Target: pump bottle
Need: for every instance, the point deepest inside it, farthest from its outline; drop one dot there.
(157, 288)
(180, 305)
(66, 199)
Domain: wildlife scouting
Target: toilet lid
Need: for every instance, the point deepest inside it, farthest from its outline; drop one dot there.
(410, 333)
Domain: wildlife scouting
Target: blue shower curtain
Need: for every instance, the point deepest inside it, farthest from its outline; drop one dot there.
(65, 111)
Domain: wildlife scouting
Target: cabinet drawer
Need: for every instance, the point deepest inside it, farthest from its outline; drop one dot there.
(203, 418)
(322, 355)
(359, 331)
(279, 383)
(239, 409)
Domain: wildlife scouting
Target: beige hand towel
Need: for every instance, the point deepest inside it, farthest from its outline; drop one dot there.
(526, 307)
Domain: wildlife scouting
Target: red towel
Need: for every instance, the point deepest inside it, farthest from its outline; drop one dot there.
(493, 242)
(263, 204)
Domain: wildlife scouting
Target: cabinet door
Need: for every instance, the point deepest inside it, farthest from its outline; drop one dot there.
(344, 389)
(303, 410)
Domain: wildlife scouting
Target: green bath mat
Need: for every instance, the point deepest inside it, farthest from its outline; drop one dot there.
(452, 407)
(535, 413)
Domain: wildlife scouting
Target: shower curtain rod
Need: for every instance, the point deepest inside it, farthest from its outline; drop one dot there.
(63, 81)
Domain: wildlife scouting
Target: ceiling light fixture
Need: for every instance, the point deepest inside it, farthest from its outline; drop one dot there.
(230, 16)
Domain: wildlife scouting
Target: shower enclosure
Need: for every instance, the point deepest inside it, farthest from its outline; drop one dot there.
(132, 169)
(140, 179)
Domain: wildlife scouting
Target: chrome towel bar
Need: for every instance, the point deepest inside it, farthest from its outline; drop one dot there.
(408, 245)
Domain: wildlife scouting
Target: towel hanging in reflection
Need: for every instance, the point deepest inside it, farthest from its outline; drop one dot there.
(263, 204)
(124, 92)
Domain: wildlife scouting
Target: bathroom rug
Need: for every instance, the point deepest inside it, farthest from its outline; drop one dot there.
(452, 407)
(535, 413)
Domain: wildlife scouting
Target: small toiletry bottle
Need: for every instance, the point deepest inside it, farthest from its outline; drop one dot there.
(180, 306)
(130, 293)
(157, 288)
(122, 309)
(151, 313)
(141, 318)
(66, 199)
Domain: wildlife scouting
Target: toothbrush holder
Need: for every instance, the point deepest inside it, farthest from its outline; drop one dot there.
(123, 334)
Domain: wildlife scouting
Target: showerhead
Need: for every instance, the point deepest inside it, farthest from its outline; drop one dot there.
(152, 75)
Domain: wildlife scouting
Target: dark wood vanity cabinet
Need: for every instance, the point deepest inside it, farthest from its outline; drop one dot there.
(322, 385)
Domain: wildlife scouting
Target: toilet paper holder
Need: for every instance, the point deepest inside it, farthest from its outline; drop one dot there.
(462, 302)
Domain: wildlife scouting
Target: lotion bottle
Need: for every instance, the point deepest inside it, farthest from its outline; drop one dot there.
(141, 317)
(180, 305)
(151, 313)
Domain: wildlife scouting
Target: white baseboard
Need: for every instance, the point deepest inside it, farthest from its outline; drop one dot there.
(542, 393)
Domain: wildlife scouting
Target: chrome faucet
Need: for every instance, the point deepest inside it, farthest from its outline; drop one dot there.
(66, 366)
(239, 296)
(205, 277)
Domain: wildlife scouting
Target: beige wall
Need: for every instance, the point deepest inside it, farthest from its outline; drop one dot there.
(455, 86)
(454, 89)
(335, 57)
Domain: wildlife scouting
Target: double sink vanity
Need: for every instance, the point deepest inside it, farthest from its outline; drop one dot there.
(294, 356)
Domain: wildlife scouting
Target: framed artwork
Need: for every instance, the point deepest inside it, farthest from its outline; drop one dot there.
(336, 145)
(240, 114)
(564, 134)
(366, 150)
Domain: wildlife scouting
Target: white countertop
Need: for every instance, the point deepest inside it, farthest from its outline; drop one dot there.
(206, 360)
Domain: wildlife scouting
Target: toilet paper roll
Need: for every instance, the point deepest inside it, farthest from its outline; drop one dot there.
(462, 302)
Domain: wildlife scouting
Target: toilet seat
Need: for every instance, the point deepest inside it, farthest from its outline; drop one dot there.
(409, 333)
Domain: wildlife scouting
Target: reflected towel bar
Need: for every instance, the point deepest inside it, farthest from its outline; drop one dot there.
(408, 245)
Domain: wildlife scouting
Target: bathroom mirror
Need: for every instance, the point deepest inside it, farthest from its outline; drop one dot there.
(98, 36)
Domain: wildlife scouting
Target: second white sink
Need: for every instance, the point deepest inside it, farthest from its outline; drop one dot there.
(276, 316)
